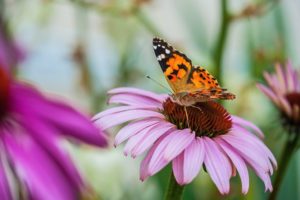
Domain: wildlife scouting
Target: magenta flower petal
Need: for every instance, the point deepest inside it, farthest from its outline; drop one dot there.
(41, 175)
(214, 158)
(238, 163)
(70, 122)
(5, 192)
(44, 136)
(32, 129)
(132, 128)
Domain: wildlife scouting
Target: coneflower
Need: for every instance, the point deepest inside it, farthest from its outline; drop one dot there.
(221, 142)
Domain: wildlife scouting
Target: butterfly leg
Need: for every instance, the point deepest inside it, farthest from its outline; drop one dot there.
(197, 108)
(187, 116)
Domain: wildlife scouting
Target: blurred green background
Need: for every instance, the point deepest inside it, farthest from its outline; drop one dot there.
(77, 50)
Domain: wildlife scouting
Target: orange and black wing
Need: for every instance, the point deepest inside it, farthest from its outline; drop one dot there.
(175, 65)
(202, 84)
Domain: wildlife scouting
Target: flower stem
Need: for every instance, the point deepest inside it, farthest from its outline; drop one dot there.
(174, 190)
(221, 41)
(289, 150)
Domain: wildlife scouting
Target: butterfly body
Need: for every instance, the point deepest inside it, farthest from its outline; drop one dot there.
(190, 84)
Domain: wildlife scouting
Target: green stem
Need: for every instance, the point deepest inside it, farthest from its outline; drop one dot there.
(221, 41)
(289, 149)
(174, 191)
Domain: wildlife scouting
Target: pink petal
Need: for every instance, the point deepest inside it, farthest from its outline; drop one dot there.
(264, 149)
(238, 163)
(158, 161)
(265, 177)
(136, 139)
(247, 124)
(5, 192)
(144, 169)
(248, 150)
(159, 130)
(291, 77)
(281, 77)
(36, 168)
(46, 137)
(217, 165)
(119, 118)
(193, 159)
(182, 139)
(178, 169)
(269, 93)
(133, 128)
(285, 106)
(66, 120)
(270, 81)
(133, 100)
(119, 109)
(137, 92)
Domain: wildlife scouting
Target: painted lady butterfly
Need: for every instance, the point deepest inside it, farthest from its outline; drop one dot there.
(190, 84)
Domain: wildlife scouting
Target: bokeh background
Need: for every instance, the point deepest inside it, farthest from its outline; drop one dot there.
(77, 50)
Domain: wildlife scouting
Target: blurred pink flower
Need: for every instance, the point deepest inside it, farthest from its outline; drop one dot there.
(283, 89)
(31, 129)
(221, 142)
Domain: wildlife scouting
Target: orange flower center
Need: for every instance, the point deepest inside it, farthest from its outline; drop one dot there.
(204, 118)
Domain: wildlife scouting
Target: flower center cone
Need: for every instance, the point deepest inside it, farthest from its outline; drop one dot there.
(204, 118)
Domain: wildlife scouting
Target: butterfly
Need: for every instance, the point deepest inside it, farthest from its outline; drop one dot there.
(190, 84)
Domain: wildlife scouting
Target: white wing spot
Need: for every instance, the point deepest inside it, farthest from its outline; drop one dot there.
(161, 56)
(155, 47)
(167, 51)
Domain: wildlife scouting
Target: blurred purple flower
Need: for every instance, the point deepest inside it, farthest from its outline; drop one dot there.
(217, 140)
(283, 89)
(31, 129)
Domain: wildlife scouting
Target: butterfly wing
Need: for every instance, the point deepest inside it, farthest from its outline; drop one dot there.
(175, 65)
(201, 84)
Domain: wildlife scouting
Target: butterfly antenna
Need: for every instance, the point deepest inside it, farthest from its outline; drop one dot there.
(155, 81)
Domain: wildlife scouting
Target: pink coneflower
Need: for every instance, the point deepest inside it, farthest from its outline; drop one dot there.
(31, 129)
(215, 139)
(283, 89)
